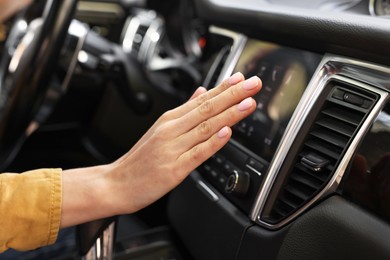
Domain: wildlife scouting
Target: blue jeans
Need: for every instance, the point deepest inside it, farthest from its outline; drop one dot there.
(64, 247)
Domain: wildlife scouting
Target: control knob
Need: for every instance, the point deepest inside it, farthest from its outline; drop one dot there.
(237, 183)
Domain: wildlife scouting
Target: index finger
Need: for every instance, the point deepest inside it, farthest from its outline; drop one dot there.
(193, 103)
(218, 104)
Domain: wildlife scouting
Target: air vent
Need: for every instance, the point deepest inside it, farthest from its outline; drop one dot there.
(332, 130)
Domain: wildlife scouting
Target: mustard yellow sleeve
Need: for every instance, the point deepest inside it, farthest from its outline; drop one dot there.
(30, 208)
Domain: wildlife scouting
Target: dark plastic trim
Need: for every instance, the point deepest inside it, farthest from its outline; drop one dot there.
(337, 229)
(358, 36)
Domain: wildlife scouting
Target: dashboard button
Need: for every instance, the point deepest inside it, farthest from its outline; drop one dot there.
(237, 183)
(222, 180)
(256, 165)
(353, 99)
(207, 167)
(213, 173)
(228, 167)
(219, 159)
(277, 73)
(262, 70)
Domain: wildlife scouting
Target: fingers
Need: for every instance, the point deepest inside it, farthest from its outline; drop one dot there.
(218, 104)
(198, 92)
(201, 152)
(209, 127)
(195, 102)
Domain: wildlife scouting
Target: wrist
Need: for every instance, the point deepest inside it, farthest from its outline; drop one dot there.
(86, 195)
(117, 193)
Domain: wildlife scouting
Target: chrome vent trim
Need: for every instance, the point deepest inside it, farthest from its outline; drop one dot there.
(331, 132)
(224, 64)
(371, 77)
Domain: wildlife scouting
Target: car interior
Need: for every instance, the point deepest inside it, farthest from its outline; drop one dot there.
(306, 176)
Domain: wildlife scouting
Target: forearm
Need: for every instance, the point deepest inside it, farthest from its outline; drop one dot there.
(87, 195)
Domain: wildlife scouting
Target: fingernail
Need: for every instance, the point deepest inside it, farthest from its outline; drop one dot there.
(250, 83)
(200, 90)
(223, 132)
(245, 104)
(235, 78)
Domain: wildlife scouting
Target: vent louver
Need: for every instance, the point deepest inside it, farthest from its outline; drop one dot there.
(332, 130)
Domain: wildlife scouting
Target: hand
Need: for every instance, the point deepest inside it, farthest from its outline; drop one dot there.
(179, 141)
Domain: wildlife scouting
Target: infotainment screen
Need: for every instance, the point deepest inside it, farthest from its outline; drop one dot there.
(285, 73)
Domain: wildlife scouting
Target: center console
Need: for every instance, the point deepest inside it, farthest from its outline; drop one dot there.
(238, 169)
(290, 154)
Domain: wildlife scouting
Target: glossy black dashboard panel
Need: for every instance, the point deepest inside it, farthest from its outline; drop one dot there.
(285, 74)
(368, 182)
(239, 168)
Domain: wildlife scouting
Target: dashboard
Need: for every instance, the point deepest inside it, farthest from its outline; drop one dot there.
(310, 140)
(306, 176)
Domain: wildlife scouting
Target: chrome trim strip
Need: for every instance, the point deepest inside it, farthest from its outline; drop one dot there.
(211, 194)
(239, 41)
(99, 10)
(151, 39)
(253, 169)
(371, 8)
(103, 248)
(331, 67)
(77, 30)
(131, 25)
(292, 129)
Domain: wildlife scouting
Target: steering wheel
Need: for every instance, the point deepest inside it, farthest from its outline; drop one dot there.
(27, 64)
